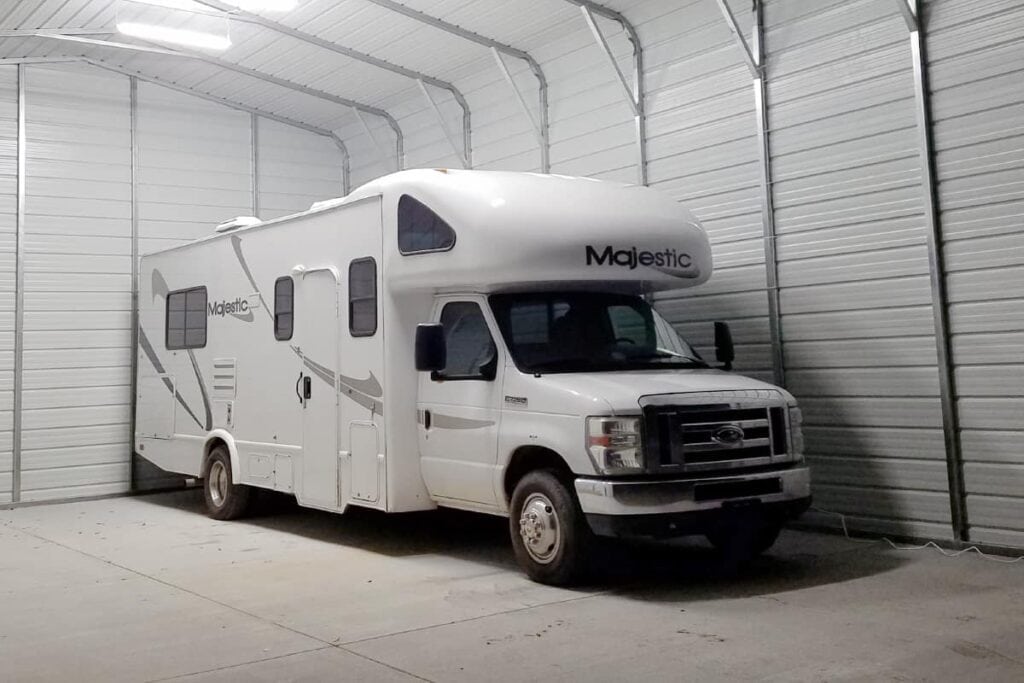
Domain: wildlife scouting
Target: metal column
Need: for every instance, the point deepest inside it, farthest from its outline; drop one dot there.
(635, 92)
(19, 295)
(771, 261)
(133, 104)
(911, 11)
(254, 163)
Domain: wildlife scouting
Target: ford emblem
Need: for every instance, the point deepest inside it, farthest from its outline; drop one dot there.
(727, 435)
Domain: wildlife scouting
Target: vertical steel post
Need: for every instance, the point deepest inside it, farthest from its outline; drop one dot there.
(19, 295)
(771, 261)
(133, 118)
(254, 161)
(937, 270)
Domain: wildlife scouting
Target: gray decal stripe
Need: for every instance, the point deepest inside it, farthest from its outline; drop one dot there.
(202, 390)
(369, 386)
(147, 348)
(689, 274)
(441, 421)
(371, 403)
(236, 244)
(159, 285)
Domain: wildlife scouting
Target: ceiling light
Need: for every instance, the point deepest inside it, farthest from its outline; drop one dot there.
(179, 36)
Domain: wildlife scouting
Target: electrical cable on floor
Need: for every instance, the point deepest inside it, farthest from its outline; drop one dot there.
(929, 544)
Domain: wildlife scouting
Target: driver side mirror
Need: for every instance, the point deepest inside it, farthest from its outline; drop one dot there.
(724, 351)
(431, 349)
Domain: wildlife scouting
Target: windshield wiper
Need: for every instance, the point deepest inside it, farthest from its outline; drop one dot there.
(669, 355)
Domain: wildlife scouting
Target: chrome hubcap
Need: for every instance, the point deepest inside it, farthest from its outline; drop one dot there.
(538, 527)
(218, 483)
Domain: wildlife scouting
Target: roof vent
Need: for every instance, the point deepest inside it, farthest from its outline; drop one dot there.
(237, 222)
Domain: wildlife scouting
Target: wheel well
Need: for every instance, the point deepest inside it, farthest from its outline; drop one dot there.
(210, 445)
(528, 458)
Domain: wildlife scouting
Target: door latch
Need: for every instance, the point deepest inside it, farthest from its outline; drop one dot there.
(307, 387)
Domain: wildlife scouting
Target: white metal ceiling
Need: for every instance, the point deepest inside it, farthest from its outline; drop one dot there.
(356, 24)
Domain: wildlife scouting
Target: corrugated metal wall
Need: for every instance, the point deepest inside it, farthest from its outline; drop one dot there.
(8, 232)
(976, 67)
(855, 298)
(194, 170)
(191, 177)
(77, 327)
(703, 150)
(295, 169)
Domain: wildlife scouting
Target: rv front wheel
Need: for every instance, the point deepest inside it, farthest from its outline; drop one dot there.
(224, 500)
(549, 533)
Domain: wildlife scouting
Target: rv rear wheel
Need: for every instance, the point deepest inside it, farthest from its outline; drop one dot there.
(224, 500)
(550, 536)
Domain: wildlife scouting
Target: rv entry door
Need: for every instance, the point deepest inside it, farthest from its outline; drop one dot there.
(316, 333)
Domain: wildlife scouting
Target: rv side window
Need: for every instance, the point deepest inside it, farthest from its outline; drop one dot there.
(186, 319)
(362, 297)
(471, 351)
(420, 229)
(284, 308)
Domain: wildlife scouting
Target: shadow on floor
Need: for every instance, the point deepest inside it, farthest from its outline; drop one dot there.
(679, 569)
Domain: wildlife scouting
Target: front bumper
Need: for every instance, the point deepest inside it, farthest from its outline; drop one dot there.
(690, 506)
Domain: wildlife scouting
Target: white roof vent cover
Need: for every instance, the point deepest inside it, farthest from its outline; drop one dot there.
(237, 222)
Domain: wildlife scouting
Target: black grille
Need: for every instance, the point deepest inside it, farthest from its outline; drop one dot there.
(681, 438)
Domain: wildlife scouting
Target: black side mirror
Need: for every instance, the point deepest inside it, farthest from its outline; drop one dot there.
(431, 349)
(724, 351)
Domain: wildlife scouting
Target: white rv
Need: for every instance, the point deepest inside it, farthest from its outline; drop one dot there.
(468, 339)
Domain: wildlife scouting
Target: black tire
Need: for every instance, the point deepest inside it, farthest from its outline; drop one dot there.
(742, 542)
(224, 500)
(555, 562)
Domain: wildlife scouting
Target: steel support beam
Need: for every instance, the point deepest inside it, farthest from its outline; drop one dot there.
(503, 68)
(254, 161)
(771, 260)
(502, 48)
(19, 294)
(133, 104)
(909, 13)
(753, 62)
(29, 32)
(635, 95)
(311, 39)
(357, 107)
(346, 164)
(463, 157)
(373, 139)
(937, 270)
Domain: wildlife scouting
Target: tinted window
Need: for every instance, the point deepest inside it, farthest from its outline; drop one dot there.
(284, 308)
(587, 331)
(420, 229)
(362, 297)
(471, 351)
(186, 319)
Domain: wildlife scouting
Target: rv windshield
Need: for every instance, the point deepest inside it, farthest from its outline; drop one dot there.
(588, 332)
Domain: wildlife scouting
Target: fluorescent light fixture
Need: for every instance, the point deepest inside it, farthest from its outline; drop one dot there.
(178, 36)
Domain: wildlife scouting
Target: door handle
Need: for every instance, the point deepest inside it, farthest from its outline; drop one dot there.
(307, 387)
(297, 382)
(426, 419)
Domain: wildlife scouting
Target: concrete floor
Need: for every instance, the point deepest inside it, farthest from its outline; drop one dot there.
(148, 588)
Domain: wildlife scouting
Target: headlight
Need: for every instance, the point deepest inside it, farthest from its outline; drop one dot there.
(614, 444)
(796, 420)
